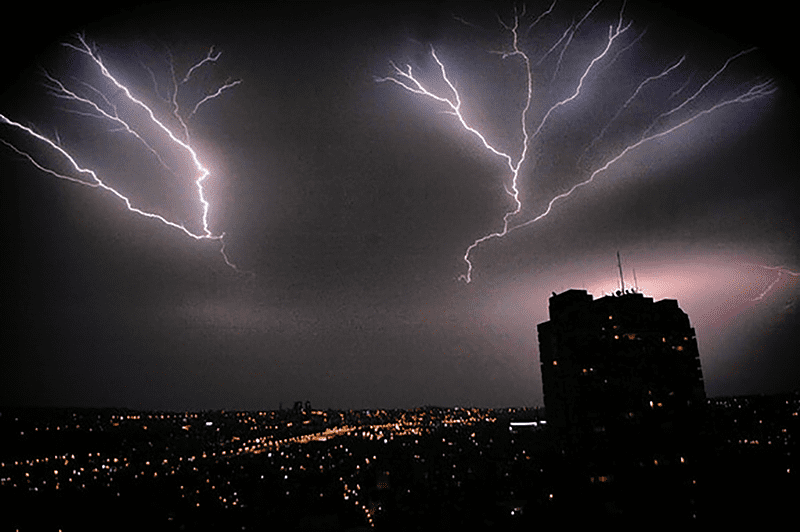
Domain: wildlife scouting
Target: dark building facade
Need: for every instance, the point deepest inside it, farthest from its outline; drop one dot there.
(624, 397)
(618, 364)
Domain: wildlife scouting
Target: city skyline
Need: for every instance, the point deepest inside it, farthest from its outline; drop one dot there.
(347, 202)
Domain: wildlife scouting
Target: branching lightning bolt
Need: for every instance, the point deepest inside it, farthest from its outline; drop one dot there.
(95, 180)
(758, 91)
(628, 103)
(698, 92)
(209, 58)
(408, 81)
(612, 35)
(101, 108)
(58, 90)
(572, 30)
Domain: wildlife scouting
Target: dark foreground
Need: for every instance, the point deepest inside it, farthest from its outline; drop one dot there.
(423, 469)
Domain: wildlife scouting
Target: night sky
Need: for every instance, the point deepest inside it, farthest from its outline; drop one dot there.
(347, 203)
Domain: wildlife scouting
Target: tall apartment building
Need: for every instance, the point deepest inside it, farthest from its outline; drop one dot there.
(618, 364)
(624, 396)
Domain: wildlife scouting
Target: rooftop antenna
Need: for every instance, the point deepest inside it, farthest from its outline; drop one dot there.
(635, 282)
(621, 279)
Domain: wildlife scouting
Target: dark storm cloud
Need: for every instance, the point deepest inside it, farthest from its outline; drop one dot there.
(352, 202)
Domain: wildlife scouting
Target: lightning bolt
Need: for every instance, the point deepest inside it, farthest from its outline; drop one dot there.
(226, 86)
(406, 79)
(540, 17)
(612, 35)
(58, 90)
(95, 180)
(210, 58)
(699, 91)
(781, 271)
(573, 29)
(98, 105)
(567, 33)
(757, 91)
(627, 103)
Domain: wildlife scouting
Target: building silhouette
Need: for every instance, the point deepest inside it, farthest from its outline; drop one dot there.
(624, 397)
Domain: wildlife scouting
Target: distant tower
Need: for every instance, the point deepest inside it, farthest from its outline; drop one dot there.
(618, 365)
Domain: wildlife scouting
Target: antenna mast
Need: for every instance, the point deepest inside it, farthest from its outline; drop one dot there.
(635, 282)
(621, 279)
